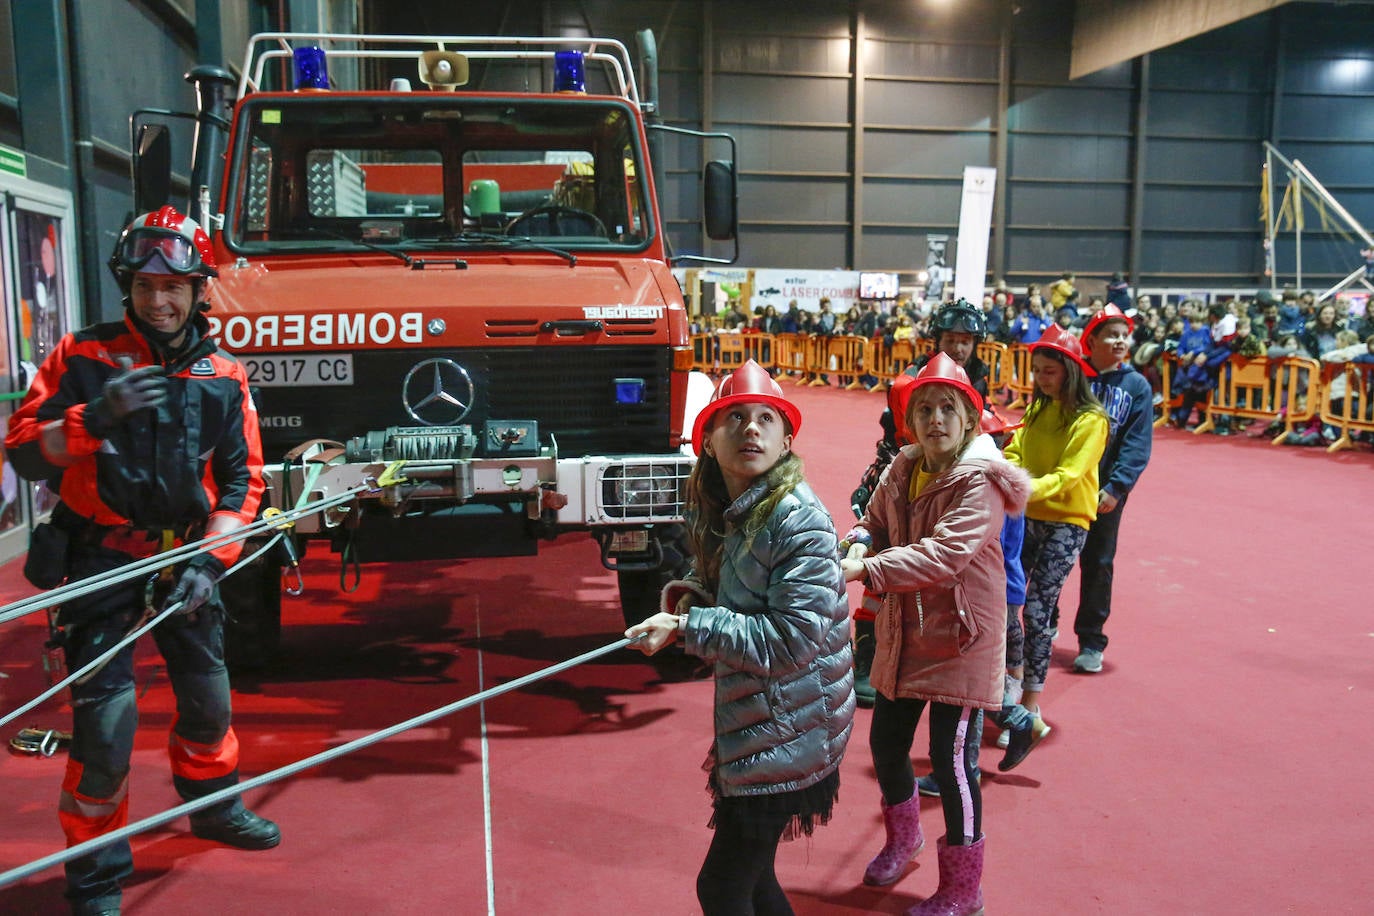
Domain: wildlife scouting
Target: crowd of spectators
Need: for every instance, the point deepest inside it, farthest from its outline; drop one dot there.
(1203, 337)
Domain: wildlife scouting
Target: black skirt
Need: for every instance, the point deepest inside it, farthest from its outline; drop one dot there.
(761, 816)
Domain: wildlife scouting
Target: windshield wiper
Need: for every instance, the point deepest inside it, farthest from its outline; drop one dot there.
(412, 263)
(487, 239)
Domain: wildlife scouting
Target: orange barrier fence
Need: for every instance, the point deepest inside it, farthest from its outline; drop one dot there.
(998, 358)
(1020, 383)
(1348, 402)
(1259, 388)
(790, 355)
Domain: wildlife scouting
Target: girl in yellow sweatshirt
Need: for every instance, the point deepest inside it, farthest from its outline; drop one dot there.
(1059, 445)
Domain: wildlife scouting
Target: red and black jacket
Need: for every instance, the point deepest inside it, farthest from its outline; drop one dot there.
(195, 461)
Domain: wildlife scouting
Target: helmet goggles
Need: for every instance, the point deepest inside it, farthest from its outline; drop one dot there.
(960, 316)
(139, 246)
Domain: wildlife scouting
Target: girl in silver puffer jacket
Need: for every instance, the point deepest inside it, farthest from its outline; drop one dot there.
(766, 605)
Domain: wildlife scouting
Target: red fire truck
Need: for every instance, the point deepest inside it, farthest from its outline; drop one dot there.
(457, 263)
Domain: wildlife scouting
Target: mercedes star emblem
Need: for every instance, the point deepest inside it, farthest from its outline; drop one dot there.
(437, 392)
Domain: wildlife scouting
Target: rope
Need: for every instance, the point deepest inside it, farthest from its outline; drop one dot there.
(99, 582)
(100, 660)
(214, 798)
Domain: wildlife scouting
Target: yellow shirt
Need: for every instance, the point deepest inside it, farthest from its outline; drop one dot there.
(919, 478)
(1062, 461)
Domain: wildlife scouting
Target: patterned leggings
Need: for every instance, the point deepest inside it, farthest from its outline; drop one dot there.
(1047, 555)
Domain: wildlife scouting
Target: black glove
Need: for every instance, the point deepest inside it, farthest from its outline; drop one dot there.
(129, 391)
(196, 584)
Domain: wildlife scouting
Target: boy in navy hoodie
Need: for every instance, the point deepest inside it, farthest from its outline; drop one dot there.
(1127, 398)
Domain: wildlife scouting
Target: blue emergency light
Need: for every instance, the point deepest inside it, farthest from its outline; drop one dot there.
(569, 72)
(311, 70)
(629, 391)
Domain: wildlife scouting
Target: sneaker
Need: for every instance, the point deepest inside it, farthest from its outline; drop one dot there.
(1021, 741)
(1089, 661)
(1004, 739)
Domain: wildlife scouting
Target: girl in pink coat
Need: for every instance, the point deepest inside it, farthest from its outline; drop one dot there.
(929, 543)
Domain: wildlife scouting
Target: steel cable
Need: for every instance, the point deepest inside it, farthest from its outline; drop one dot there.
(88, 585)
(214, 798)
(99, 661)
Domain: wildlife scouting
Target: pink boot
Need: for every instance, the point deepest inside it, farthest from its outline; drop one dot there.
(904, 840)
(961, 882)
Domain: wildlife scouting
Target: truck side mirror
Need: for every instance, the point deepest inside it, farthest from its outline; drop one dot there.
(720, 207)
(152, 167)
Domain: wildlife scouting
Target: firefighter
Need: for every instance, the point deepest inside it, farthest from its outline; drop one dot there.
(147, 433)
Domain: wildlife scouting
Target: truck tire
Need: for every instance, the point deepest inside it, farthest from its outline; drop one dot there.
(640, 588)
(252, 600)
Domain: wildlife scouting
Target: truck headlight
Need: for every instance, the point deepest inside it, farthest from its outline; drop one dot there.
(636, 491)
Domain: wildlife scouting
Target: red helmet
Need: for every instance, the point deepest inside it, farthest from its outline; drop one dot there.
(1104, 315)
(1062, 342)
(749, 384)
(940, 370)
(163, 242)
(994, 424)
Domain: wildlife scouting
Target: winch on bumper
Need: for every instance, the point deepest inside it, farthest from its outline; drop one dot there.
(419, 469)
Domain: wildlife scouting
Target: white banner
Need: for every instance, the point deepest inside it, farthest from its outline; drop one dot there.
(975, 223)
(779, 287)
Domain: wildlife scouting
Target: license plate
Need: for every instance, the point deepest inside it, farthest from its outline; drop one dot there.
(283, 371)
(635, 541)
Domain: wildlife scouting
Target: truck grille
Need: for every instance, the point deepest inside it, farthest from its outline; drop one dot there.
(569, 391)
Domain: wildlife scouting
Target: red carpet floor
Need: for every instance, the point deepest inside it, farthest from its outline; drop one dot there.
(1217, 765)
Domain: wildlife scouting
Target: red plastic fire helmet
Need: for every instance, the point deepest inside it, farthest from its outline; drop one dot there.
(994, 424)
(749, 384)
(1102, 316)
(940, 370)
(1061, 341)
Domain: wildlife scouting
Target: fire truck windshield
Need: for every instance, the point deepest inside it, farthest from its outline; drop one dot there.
(318, 173)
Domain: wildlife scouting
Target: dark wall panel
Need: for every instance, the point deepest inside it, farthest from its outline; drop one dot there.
(804, 149)
(821, 247)
(1066, 110)
(1181, 159)
(1043, 204)
(894, 248)
(771, 198)
(1206, 255)
(962, 105)
(746, 98)
(112, 88)
(919, 202)
(1203, 208)
(955, 62)
(1213, 115)
(1070, 157)
(1041, 254)
(933, 153)
(1341, 117)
